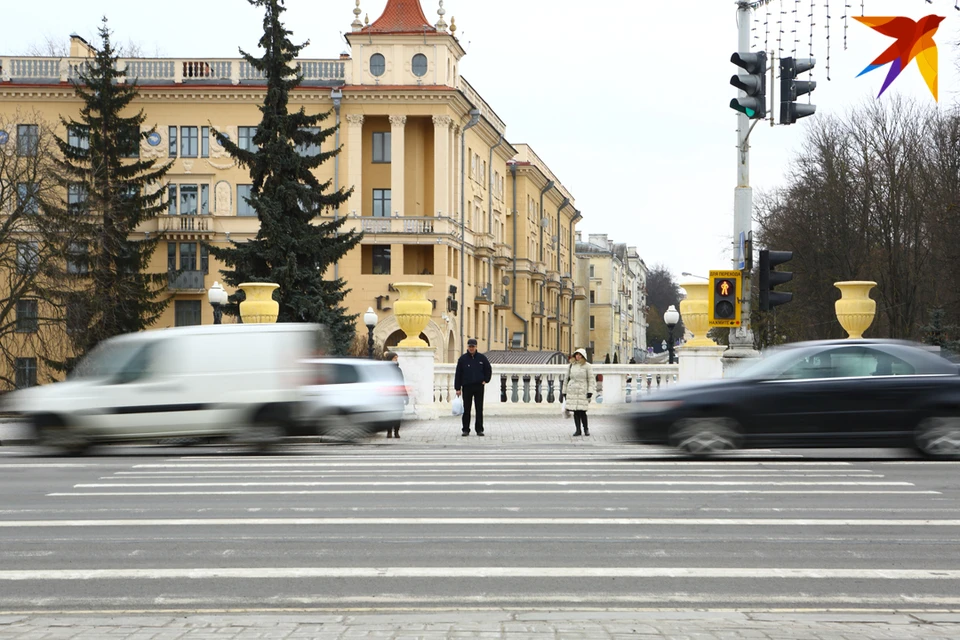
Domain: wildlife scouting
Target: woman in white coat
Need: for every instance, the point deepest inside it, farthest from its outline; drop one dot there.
(581, 384)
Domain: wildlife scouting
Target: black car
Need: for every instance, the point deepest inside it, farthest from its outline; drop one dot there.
(832, 393)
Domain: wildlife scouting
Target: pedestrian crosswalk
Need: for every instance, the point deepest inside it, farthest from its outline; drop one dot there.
(420, 526)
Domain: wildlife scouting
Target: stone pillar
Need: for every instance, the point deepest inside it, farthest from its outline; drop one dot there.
(441, 162)
(354, 163)
(397, 155)
(701, 363)
(417, 366)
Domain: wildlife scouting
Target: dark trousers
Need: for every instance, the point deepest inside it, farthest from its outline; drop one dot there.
(472, 394)
(580, 420)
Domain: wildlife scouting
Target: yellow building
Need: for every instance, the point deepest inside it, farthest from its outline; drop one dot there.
(439, 192)
(617, 299)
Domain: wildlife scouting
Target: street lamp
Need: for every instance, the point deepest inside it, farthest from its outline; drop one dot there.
(693, 275)
(217, 298)
(370, 319)
(670, 318)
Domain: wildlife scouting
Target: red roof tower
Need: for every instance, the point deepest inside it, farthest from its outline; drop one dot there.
(401, 16)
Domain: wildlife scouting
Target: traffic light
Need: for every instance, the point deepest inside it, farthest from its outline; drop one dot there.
(724, 302)
(791, 89)
(770, 278)
(754, 84)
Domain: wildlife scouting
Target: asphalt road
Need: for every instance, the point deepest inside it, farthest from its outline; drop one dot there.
(482, 524)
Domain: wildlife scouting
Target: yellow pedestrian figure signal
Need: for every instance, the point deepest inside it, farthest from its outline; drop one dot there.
(723, 306)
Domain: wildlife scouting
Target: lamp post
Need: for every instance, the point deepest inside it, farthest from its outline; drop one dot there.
(370, 319)
(217, 298)
(670, 318)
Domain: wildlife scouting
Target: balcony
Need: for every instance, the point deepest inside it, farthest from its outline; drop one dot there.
(185, 281)
(502, 254)
(484, 294)
(537, 308)
(483, 245)
(186, 227)
(503, 300)
(553, 279)
(579, 293)
(537, 271)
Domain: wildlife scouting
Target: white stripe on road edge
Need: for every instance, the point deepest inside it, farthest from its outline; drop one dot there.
(266, 573)
(579, 462)
(682, 492)
(745, 522)
(490, 483)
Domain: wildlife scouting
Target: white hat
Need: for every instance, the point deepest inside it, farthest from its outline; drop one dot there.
(582, 352)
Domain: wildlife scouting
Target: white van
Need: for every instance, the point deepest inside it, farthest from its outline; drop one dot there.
(237, 381)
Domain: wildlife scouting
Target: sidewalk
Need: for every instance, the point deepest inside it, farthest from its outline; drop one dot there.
(512, 625)
(447, 430)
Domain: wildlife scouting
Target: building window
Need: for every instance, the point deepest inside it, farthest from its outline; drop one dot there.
(309, 149)
(129, 142)
(28, 257)
(172, 141)
(381, 146)
(188, 199)
(381, 260)
(26, 372)
(186, 313)
(419, 65)
(28, 139)
(189, 142)
(188, 256)
(78, 263)
(592, 272)
(27, 316)
(245, 137)
(204, 259)
(381, 203)
(244, 208)
(27, 200)
(593, 297)
(204, 142)
(592, 325)
(78, 137)
(378, 64)
(76, 197)
(171, 256)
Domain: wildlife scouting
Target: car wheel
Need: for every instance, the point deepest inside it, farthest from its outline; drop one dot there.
(939, 437)
(705, 436)
(261, 437)
(62, 439)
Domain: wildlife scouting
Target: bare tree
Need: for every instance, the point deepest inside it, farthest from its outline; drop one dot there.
(32, 233)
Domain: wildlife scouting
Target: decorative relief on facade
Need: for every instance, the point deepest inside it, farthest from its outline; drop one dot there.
(150, 151)
(355, 119)
(222, 166)
(188, 166)
(442, 121)
(216, 151)
(222, 206)
(398, 121)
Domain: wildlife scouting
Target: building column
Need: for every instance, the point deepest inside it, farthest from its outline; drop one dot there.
(355, 163)
(441, 163)
(397, 157)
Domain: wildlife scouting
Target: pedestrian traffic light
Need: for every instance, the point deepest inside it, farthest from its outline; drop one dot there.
(770, 278)
(724, 300)
(791, 89)
(753, 83)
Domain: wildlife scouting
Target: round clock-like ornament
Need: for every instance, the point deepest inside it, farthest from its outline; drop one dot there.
(153, 139)
(4, 136)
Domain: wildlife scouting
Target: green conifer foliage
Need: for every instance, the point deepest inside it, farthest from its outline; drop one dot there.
(106, 289)
(292, 248)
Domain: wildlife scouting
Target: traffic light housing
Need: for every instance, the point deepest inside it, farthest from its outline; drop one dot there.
(753, 83)
(770, 278)
(791, 89)
(724, 300)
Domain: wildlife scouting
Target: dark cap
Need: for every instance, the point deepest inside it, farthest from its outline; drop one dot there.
(472, 342)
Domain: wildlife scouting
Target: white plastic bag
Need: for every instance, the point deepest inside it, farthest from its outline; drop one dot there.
(458, 406)
(563, 408)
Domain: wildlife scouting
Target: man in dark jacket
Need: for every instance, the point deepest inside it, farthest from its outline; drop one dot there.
(473, 373)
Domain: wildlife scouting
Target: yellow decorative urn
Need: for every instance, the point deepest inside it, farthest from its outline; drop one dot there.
(259, 307)
(855, 309)
(413, 311)
(694, 312)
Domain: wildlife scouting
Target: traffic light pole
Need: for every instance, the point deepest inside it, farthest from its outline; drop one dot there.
(741, 339)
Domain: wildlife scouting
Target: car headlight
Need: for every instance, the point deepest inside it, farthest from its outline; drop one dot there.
(657, 406)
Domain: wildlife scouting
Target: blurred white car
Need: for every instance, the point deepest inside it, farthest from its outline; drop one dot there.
(351, 398)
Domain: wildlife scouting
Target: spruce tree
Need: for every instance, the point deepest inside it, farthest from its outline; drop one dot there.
(106, 289)
(290, 248)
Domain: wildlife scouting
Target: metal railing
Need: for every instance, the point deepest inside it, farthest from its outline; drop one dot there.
(185, 281)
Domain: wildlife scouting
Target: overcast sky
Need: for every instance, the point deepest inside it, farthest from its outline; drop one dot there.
(626, 102)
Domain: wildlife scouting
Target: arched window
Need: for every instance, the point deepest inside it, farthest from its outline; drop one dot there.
(419, 65)
(378, 64)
